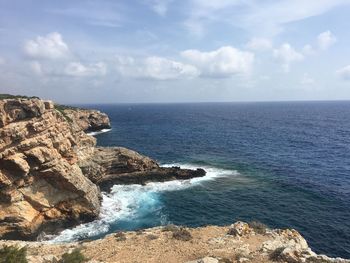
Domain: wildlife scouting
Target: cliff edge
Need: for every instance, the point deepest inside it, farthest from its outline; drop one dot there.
(239, 242)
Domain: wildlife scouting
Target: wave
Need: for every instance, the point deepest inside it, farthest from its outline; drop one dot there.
(132, 206)
(98, 132)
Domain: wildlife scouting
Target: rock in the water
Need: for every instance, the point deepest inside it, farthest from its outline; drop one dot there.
(118, 165)
(114, 160)
(161, 174)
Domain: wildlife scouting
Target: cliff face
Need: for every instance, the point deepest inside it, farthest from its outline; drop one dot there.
(87, 120)
(40, 180)
(50, 169)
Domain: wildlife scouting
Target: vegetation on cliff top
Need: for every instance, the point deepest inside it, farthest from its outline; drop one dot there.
(12, 254)
(9, 96)
(74, 257)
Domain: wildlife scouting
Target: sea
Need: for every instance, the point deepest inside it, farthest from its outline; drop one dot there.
(285, 164)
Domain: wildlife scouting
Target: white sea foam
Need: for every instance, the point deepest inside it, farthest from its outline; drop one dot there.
(98, 132)
(133, 203)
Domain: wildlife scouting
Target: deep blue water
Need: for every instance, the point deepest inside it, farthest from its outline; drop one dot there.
(284, 164)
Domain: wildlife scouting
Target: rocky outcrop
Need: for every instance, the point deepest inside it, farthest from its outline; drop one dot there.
(50, 168)
(118, 165)
(41, 184)
(114, 160)
(161, 174)
(86, 120)
(173, 244)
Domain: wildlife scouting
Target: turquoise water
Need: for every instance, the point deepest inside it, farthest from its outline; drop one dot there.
(285, 164)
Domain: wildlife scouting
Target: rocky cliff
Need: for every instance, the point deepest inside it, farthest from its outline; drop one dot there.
(239, 242)
(86, 120)
(40, 180)
(50, 169)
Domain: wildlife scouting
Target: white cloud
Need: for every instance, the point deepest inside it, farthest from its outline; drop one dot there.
(325, 40)
(286, 54)
(259, 44)
(308, 50)
(2, 61)
(160, 6)
(157, 68)
(344, 72)
(267, 17)
(307, 80)
(36, 67)
(77, 69)
(96, 13)
(50, 46)
(203, 11)
(223, 62)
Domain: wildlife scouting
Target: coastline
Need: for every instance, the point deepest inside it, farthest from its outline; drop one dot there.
(51, 171)
(93, 165)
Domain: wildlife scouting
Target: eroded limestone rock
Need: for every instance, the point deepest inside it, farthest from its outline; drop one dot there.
(40, 180)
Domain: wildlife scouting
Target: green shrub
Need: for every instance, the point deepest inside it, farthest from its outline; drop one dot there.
(170, 228)
(232, 232)
(9, 96)
(224, 260)
(61, 109)
(139, 232)
(276, 254)
(120, 236)
(317, 260)
(74, 257)
(12, 254)
(151, 237)
(258, 227)
(182, 234)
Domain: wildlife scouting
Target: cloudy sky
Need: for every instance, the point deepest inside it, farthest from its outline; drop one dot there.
(175, 50)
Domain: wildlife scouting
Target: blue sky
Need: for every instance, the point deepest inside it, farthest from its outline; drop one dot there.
(175, 51)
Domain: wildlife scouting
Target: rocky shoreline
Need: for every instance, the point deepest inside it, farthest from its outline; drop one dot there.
(51, 170)
(51, 178)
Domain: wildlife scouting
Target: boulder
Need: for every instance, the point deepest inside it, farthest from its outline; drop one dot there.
(240, 229)
(288, 245)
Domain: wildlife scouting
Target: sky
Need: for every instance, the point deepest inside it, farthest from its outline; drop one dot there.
(175, 50)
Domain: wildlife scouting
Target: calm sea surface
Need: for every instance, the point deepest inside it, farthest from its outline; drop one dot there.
(284, 164)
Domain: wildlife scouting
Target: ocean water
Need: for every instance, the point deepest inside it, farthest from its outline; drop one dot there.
(284, 164)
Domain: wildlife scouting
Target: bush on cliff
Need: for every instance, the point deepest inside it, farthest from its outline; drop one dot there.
(9, 96)
(276, 255)
(258, 227)
(182, 234)
(74, 257)
(60, 109)
(12, 254)
(120, 236)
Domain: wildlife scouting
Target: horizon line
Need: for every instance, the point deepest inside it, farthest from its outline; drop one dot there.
(208, 102)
